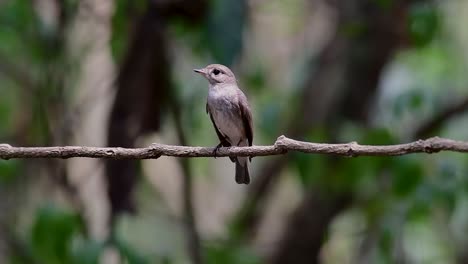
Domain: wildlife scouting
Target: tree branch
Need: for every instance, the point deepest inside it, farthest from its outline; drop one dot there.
(281, 146)
(435, 122)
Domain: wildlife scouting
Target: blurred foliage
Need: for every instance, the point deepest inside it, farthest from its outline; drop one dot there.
(9, 170)
(224, 29)
(397, 200)
(221, 34)
(424, 23)
(123, 23)
(222, 252)
(408, 175)
(311, 167)
(57, 237)
(18, 16)
(129, 254)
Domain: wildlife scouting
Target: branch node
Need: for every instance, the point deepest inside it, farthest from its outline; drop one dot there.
(428, 145)
(281, 141)
(281, 144)
(351, 152)
(155, 148)
(156, 156)
(65, 155)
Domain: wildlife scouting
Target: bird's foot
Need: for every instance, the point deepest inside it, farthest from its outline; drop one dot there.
(215, 151)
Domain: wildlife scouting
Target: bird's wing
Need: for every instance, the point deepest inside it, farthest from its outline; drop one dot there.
(246, 115)
(221, 137)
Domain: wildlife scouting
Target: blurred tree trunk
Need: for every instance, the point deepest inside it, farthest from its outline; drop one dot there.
(143, 85)
(143, 91)
(89, 44)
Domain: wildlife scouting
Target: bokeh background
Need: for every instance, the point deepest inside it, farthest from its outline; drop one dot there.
(119, 73)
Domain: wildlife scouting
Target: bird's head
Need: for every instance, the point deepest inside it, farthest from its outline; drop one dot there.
(217, 73)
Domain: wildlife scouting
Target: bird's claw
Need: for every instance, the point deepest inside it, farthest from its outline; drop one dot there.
(215, 151)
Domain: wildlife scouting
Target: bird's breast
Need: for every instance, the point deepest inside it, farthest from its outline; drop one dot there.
(226, 115)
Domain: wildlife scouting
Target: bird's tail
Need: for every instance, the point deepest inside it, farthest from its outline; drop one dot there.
(242, 171)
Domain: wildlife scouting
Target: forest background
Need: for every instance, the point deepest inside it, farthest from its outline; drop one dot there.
(119, 73)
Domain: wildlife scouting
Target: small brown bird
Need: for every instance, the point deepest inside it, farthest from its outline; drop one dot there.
(230, 113)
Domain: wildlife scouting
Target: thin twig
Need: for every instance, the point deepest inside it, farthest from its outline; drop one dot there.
(281, 146)
(440, 118)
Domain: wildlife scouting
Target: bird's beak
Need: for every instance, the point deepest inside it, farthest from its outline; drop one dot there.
(200, 71)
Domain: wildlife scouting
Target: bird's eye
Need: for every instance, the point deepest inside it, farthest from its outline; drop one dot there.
(216, 71)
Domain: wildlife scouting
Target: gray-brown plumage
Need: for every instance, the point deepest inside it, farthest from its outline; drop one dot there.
(230, 113)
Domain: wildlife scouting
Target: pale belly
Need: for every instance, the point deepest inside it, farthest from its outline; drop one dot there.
(229, 124)
(227, 118)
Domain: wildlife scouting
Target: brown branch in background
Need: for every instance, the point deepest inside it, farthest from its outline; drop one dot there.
(324, 209)
(143, 86)
(15, 246)
(281, 146)
(17, 74)
(435, 122)
(193, 237)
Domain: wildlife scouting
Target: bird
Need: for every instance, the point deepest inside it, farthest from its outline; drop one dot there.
(230, 114)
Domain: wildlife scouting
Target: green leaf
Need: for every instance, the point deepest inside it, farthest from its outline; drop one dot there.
(386, 242)
(423, 23)
(255, 79)
(87, 252)
(385, 4)
(310, 168)
(52, 234)
(416, 100)
(122, 23)
(378, 137)
(408, 174)
(227, 253)
(419, 210)
(8, 170)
